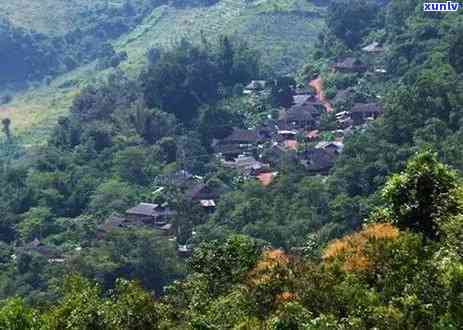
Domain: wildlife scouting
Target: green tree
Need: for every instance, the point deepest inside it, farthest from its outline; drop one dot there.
(225, 263)
(111, 196)
(456, 49)
(424, 195)
(37, 223)
(15, 315)
(350, 20)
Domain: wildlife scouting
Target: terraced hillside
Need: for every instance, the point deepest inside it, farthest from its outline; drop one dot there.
(283, 31)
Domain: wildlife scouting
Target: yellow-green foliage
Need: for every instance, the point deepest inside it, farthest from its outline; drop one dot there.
(351, 250)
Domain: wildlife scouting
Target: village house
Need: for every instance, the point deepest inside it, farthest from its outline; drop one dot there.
(350, 65)
(239, 141)
(298, 117)
(287, 134)
(374, 52)
(334, 147)
(255, 86)
(246, 165)
(229, 152)
(300, 100)
(267, 129)
(361, 112)
(178, 179)
(203, 195)
(343, 120)
(150, 214)
(51, 253)
(317, 161)
(184, 250)
(373, 48)
(115, 221)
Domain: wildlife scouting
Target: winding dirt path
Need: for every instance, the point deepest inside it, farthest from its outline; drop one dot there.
(317, 84)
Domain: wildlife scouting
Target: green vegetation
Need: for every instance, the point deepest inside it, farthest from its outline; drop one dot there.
(283, 32)
(376, 243)
(379, 277)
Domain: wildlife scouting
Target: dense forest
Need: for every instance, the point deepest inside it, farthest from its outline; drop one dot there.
(374, 242)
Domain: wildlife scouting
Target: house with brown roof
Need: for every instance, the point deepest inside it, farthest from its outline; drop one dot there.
(204, 195)
(239, 141)
(150, 214)
(350, 65)
(301, 99)
(335, 147)
(317, 161)
(361, 112)
(246, 165)
(298, 117)
(242, 137)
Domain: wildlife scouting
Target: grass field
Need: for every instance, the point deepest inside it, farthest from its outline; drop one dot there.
(282, 30)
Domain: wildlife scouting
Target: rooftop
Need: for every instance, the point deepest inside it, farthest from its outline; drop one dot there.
(146, 209)
(367, 107)
(242, 135)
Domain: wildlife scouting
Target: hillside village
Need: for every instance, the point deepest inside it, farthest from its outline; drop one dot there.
(231, 164)
(256, 153)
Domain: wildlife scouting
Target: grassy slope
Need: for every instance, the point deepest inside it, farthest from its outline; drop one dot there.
(283, 36)
(46, 16)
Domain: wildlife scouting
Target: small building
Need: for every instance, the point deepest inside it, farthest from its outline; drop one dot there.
(184, 250)
(167, 229)
(178, 179)
(239, 141)
(288, 134)
(317, 161)
(246, 165)
(299, 117)
(51, 253)
(255, 86)
(343, 120)
(203, 195)
(150, 214)
(301, 99)
(335, 147)
(243, 137)
(115, 221)
(350, 65)
(229, 152)
(373, 48)
(361, 112)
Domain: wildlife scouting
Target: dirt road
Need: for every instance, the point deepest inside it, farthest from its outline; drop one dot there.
(317, 84)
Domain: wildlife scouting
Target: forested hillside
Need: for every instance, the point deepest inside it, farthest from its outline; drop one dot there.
(47, 66)
(208, 190)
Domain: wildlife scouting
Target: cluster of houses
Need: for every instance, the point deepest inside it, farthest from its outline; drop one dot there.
(160, 216)
(255, 153)
(297, 128)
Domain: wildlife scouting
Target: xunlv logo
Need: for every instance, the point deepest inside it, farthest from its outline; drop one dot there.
(441, 6)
